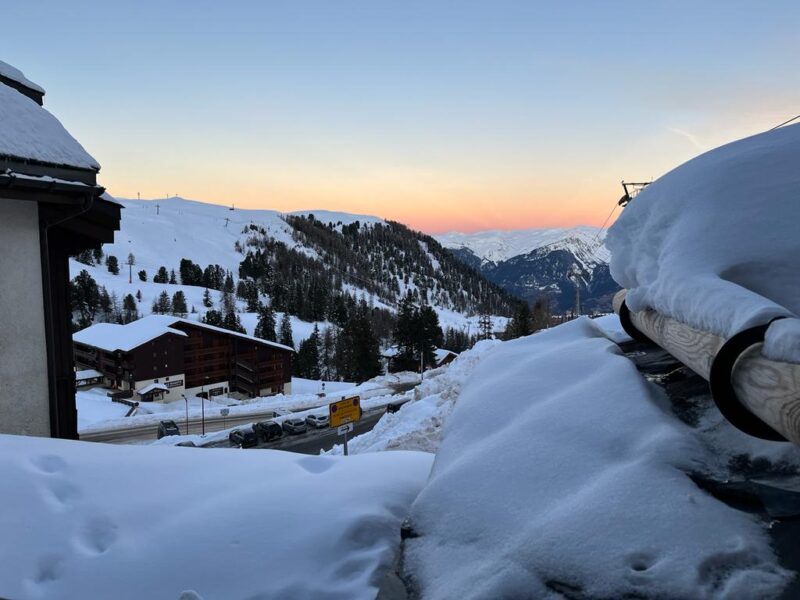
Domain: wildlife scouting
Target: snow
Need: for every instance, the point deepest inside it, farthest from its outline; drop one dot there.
(28, 131)
(10, 72)
(87, 374)
(110, 336)
(211, 523)
(714, 242)
(612, 328)
(418, 423)
(151, 388)
(561, 470)
(500, 245)
(313, 386)
(94, 406)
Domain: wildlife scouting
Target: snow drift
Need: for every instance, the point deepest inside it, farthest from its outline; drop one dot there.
(560, 473)
(96, 521)
(715, 244)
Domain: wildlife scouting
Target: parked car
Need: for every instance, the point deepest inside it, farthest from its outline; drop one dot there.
(317, 421)
(393, 407)
(166, 428)
(295, 426)
(243, 438)
(187, 444)
(268, 430)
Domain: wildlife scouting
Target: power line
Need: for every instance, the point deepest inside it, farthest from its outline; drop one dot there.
(785, 123)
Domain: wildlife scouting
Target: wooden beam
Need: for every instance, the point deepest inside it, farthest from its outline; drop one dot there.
(769, 389)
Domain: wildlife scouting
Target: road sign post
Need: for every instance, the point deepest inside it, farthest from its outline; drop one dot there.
(343, 414)
(224, 412)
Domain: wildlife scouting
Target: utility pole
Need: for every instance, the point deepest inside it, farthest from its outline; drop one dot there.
(157, 207)
(485, 326)
(574, 276)
(421, 360)
(131, 261)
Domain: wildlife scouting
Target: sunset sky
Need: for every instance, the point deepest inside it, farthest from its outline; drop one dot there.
(443, 115)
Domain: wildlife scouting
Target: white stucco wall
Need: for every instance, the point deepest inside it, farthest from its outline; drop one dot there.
(24, 402)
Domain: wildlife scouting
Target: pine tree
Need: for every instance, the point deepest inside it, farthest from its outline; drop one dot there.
(207, 302)
(113, 264)
(306, 363)
(129, 309)
(521, 323)
(357, 350)
(286, 331)
(327, 355)
(105, 305)
(97, 255)
(172, 278)
(179, 304)
(213, 317)
(138, 295)
(265, 328)
(162, 305)
(161, 276)
(142, 275)
(84, 298)
(231, 322)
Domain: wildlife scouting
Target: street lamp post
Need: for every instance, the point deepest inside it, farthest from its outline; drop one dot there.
(203, 405)
(186, 400)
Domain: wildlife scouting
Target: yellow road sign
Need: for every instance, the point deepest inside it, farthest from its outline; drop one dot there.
(347, 410)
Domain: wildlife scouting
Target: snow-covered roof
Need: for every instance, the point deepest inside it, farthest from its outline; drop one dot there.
(6, 70)
(87, 374)
(153, 387)
(111, 337)
(440, 354)
(29, 132)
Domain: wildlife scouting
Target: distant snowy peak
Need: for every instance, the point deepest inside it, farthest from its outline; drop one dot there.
(586, 243)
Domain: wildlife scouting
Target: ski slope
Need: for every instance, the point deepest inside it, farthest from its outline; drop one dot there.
(162, 232)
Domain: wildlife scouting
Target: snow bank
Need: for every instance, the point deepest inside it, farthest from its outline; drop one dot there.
(28, 131)
(612, 327)
(715, 244)
(91, 520)
(418, 423)
(560, 474)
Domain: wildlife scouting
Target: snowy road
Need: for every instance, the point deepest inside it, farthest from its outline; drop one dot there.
(315, 440)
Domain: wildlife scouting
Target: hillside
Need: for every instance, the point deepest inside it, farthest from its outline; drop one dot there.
(530, 263)
(307, 266)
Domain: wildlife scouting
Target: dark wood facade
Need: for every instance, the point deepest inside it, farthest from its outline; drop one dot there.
(160, 357)
(206, 357)
(251, 366)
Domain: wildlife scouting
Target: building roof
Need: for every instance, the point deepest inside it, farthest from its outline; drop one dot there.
(30, 133)
(440, 354)
(153, 387)
(87, 374)
(6, 70)
(111, 337)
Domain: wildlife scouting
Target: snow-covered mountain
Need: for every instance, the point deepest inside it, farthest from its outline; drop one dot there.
(361, 255)
(533, 262)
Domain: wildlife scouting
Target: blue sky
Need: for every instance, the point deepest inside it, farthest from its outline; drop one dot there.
(445, 115)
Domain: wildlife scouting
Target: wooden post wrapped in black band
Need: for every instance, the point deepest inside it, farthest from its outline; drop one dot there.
(769, 390)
